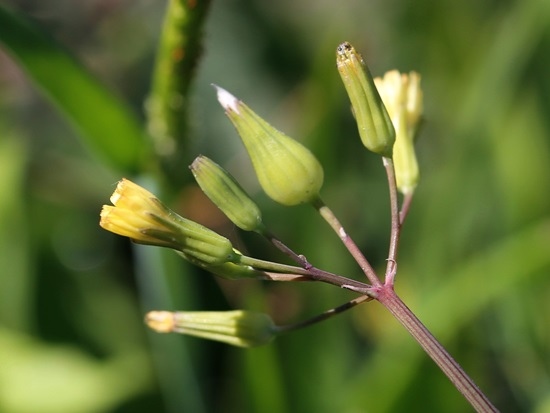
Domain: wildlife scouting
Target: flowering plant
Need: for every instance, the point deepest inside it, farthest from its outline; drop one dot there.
(387, 112)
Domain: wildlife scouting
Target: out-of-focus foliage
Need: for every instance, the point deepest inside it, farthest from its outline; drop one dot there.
(475, 253)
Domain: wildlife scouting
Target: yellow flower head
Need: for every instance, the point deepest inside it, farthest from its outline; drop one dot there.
(139, 215)
(134, 210)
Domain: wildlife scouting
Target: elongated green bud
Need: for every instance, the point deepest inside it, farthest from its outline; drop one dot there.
(226, 194)
(374, 123)
(238, 328)
(287, 171)
(139, 215)
(402, 96)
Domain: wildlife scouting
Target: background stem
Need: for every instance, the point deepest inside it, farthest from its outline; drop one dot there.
(179, 50)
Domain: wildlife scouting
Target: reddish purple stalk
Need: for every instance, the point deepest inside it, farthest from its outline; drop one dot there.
(389, 299)
(385, 294)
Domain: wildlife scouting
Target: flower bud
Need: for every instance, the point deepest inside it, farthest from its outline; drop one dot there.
(402, 96)
(287, 171)
(374, 124)
(226, 194)
(238, 328)
(139, 215)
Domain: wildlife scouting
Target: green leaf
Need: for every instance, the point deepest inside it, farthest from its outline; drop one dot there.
(105, 123)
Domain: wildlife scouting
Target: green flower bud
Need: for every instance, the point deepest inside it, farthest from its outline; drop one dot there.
(374, 124)
(238, 328)
(139, 215)
(287, 171)
(226, 194)
(402, 96)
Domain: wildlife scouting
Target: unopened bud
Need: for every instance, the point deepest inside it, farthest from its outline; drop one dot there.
(374, 124)
(238, 328)
(226, 193)
(287, 171)
(402, 96)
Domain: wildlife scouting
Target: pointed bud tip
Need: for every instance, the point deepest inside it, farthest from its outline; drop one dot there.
(226, 99)
(343, 48)
(195, 164)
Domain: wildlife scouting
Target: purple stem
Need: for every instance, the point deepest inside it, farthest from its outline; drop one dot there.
(389, 299)
(405, 207)
(348, 242)
(395, 222)
(386, 295)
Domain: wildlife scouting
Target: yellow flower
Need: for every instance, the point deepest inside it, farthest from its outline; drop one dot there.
(134, 210)
(139, 215)
(402, 95)
(238, 328)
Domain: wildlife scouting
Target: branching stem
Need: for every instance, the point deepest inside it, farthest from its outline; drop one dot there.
(313, 273)
(352, 247)
(384, 293)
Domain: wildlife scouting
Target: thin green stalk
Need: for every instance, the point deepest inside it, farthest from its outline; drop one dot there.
(272, 266)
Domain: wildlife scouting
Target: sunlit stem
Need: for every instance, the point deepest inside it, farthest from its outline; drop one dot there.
(353, 249)
(395, 222)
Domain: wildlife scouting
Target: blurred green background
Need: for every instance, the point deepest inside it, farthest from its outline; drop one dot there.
(475, 254)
